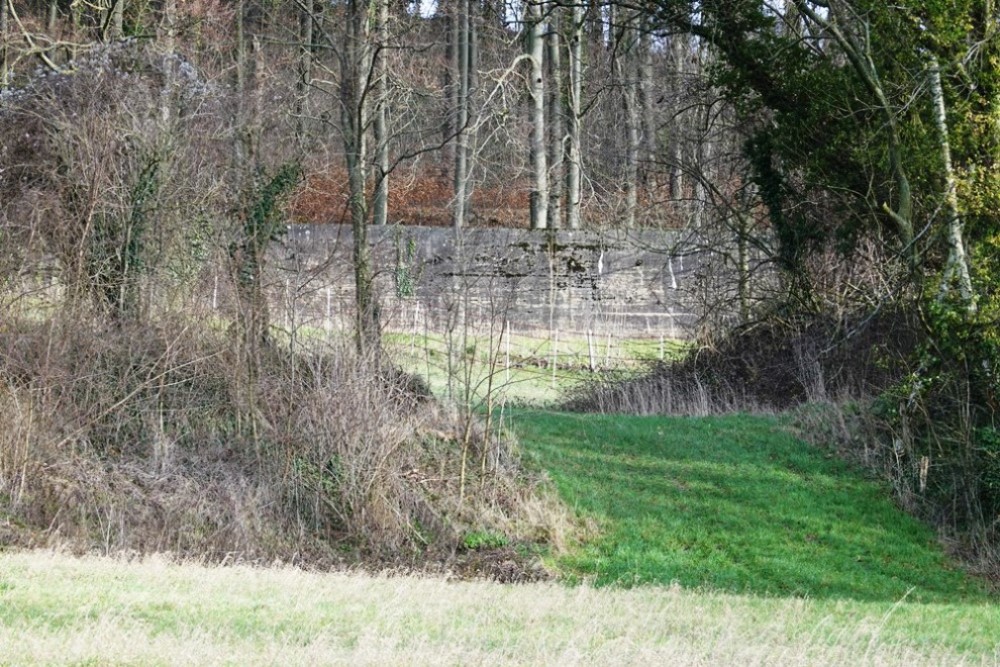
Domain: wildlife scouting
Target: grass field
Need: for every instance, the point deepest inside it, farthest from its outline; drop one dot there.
(57, 609)
(530, 369)
(716, 541)
(737, 504)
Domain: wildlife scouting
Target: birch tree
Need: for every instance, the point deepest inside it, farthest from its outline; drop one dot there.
(574, 112)
(465, 66)
(536, 27)
(957, 265)
(555, 126)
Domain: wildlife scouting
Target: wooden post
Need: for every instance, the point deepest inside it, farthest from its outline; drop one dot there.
(507, 351)
(413, 333)
(288, 305)
(329, 310)
(555, 355)
(590, 349)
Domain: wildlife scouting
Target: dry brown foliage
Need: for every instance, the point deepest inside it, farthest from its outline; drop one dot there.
(417, 197)
(149, 437)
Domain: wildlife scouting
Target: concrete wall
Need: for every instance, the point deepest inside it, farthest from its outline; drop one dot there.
(625, 283)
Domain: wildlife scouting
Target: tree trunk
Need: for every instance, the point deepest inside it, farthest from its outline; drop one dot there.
(647, 112)
(355, 65)
(53, 16)
(117, 27)
(380, 214)
(239, 93)
(704, 149)
(461, 83)
(539, 167)
(254, 316)
(4, 41)
(957, 267)
(624, 57)
(595, 26)
(305, 65)
(678, 54)
(574, 104)
(453, 59)
(471, 137)
(743, 261)
(169, 48)
(556, 126)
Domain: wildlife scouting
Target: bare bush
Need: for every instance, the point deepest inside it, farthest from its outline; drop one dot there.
(128, 439)
(108, 168)
(137, 419)
(770, 365)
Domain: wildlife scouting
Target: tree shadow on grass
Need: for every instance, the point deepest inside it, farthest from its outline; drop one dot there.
(736, 504)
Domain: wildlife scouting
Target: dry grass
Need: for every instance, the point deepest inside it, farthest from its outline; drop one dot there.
(154, 438)
(768, 366)
(55, 609)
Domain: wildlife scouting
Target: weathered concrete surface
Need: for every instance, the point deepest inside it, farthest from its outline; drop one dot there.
(625, 283)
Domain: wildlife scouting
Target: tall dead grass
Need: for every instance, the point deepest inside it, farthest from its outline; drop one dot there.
(149, 437)
(771, 365)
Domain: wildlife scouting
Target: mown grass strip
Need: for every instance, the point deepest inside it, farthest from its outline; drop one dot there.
(56, 609)
(733, 503)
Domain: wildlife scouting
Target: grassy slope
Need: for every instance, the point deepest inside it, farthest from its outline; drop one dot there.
(734, 503)
(60, 610)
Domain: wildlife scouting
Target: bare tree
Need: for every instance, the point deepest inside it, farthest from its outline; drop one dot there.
(464, 30)
(4, 39)
(556, 127)
(355, 65)
(574, 112)
(624, 66)
(536, 27)
(380, 208)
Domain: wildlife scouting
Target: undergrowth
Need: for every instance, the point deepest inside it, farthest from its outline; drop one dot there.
(149, 437)
(768, 365)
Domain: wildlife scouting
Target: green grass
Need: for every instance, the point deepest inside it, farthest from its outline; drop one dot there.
(57, 610)
(736, 504)
(530, 377)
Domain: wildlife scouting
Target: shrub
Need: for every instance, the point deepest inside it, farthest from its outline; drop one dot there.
(773, 364)
(140, 438)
